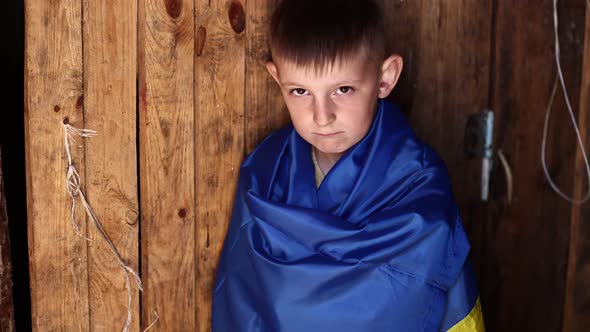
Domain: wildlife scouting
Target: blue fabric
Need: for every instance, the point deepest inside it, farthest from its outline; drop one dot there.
(375, 248)
(461, 298)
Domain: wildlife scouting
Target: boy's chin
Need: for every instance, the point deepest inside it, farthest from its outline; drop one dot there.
(331, 150)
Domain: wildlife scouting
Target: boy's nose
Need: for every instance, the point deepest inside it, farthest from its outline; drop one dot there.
(323, 113)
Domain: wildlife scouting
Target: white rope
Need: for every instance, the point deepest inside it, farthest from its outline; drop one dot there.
(508, 172)
(73, 187)
(153, 321)
(561, 80)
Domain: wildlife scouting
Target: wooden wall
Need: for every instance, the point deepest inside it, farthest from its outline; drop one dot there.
(6, 303)
(577, 289)
(178, 93)
(528, 241)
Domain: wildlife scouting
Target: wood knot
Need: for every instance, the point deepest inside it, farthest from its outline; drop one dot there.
(131, 217)
(66, 120)
(165, 126)
(200, 42)
(56, 108)
(237, 16)
(182, 213)
(80, 102)
(174, 8)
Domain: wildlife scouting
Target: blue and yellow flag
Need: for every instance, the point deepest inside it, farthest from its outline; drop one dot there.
(379, 246)
(463, 311)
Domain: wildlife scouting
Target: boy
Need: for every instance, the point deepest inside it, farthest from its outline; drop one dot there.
(344, 221)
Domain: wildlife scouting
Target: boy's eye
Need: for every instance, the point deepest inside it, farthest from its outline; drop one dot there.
(299, 92)
(343, 90)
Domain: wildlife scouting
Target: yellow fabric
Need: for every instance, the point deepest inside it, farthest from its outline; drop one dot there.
(319, 176)
(473, 322)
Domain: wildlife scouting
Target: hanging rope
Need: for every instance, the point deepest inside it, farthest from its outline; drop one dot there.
(559, 78)
(73, 188)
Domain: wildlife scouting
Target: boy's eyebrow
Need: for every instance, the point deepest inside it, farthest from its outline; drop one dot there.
(289, 83)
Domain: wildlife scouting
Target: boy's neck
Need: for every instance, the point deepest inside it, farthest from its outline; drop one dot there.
(326, 160)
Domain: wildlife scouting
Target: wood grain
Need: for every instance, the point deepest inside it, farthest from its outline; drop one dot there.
(526, 255)
(166, 152)
(576, 315)
(110, 69)
(53, 85)
(6, 306)
(219, 122)
(265, 110)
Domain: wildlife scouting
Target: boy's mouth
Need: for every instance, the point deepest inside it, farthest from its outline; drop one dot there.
(328, 134)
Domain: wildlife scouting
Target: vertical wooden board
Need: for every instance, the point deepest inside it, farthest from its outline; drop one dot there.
(528, 240)
(110, 62)
(402, 30)
(577, 293)
(452, 79)
(6, 308)
(265, 110)
(446, 50)
(219, 116)
(166, 120)
(53, 86)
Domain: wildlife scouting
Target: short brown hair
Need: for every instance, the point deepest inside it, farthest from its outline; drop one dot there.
(317, 33)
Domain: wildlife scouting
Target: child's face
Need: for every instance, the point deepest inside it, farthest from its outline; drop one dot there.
(332, 109)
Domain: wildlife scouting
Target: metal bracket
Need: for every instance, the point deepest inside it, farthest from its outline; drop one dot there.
(479, 144)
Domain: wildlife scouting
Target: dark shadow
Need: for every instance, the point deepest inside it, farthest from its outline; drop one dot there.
(12, 142)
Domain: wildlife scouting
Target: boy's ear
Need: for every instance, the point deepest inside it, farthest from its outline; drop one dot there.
(390, 73)
(272, 69)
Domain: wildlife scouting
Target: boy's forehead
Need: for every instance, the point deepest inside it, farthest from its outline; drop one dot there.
(345, 67)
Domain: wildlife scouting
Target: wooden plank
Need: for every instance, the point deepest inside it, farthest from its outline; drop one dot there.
(6, 307)
(110, 62)
(528, 240)
(402, 28)
(265, 110)
(166, 120)
(576, 315)
(219, 117)
(446, 50)
(53, 88)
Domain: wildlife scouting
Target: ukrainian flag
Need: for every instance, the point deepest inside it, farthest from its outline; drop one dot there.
(463, 311)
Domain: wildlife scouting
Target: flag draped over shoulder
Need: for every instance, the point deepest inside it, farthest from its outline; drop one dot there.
(377, 247)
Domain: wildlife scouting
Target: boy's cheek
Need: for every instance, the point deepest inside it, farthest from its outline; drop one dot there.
(297, 104)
